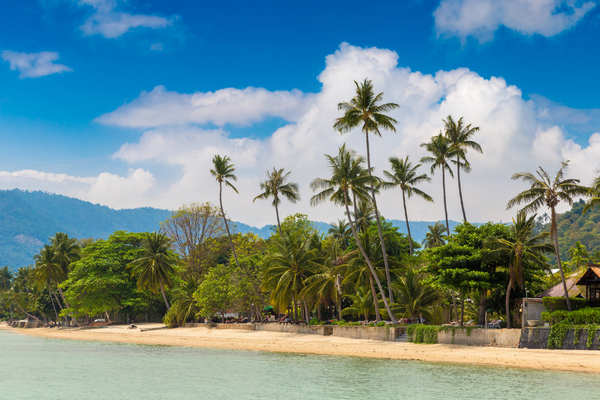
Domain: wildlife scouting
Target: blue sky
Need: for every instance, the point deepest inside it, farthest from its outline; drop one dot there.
(65, 63)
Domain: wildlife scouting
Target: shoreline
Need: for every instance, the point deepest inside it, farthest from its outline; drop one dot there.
(586, 361)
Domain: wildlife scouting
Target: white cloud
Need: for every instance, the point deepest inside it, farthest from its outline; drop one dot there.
(108, 22)
(238, 106)
(481, 18)
(516, 135)
(34, 65)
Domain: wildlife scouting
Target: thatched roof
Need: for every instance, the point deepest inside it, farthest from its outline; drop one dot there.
(559, 291)
(592, 273)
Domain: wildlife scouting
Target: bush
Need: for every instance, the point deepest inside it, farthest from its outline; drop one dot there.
(313, 321)
(559, 332)
(418, 333)
(585, 316)
(560, 303)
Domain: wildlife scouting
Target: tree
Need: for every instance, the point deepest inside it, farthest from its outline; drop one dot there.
(49, 271)
(214, 295)
(191, 229)
(594, 195)
(579, 255)
(435, 236)
(341, 234)
(521, 248)
(344, 179)
(223, 173)
(6, 277)
(66, 250)
(362, 303)
(184, 305)
(404, 176)
(155, 268)
(414, 297)
(549, 192)
(441, 152)
(459, 136)
(366, 112)
(276, 185)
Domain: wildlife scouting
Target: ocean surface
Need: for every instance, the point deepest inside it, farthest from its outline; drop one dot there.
(40, 368)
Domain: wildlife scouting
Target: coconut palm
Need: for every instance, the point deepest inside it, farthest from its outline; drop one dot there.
(49, 271)
(441, 152)
(459, 136)
(184, 305)
(521, 248)
(325, 283)
(155, 268)
(435, 236)
(362, 303)
(66, 250)
(275, 186)
(6, 277)
(364, 214)
(405, 176)
(415, 299)
(337, 189)
(223, 173)
(579, 255)
(594, 195)
(341, 234)
(549, 192)
(366, 111)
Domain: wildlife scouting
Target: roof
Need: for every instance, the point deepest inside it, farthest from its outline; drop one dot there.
(592, 273)
(559, 291)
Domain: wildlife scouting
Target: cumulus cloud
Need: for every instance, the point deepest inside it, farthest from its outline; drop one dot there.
(108, 22)
(481, 18)
(238, 106)
(34, 65)
(516, 135)
(108, 189)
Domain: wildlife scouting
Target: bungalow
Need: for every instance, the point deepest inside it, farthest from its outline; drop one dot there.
(591, 280)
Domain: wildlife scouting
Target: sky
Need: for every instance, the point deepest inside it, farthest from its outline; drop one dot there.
(124, 103)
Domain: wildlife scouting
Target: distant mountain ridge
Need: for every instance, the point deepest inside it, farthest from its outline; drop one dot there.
(28, 219)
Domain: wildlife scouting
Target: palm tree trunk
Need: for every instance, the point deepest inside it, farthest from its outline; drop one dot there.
(278, 223)
(362, 251)
(445, 206)
(29, 315)
(557, 251)
(54, 307)
(410, 244)
(510, 283)
(377, 313)
(454, 305)
(226, 225)
(385, 260)
(162, 290)
(462, 309)
(462, 205)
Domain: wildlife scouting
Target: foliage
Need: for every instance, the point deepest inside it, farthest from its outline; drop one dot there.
(576, 226)
(583, 316)
(427, 334)
(214, 295)
(560, 303)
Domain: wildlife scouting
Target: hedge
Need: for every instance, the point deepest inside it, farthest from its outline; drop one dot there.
(586, 316)
(560, 303)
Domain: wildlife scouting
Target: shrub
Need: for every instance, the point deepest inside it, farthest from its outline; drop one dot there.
(560, 303)
(417, 333)
(585, 316)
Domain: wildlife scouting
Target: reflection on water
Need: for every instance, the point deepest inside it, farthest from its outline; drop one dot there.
(39, 368)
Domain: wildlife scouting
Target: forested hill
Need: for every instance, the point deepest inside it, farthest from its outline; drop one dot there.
(28, 219)
(574, 226)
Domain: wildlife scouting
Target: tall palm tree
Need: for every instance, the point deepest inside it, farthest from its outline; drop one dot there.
(337, 188)
(155, 268)
(340, 233)
(404, 176)
(521, 248)
(459, 136)
(435, 236)
(223, 173)
(49, 271)
(415, 299)
(6, 277)
(549, 192)
(441, 152)
(366, 111)
(276, 185)
(66, 250)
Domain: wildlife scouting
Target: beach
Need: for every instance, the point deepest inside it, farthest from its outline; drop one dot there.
(550, 360)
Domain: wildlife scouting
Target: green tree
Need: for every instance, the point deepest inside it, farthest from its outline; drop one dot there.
(579, 255)
(341, 234)
(184, 305)
(49, 271)
(459, 136)
(415, 298)
(441, 153)
(344, 179)
(405, 176)
(214, 295)
(549, 192)
(155, 268)
(362, 303)
(435, 236)
(6, 277)
(521, 248)
(366, 111)
(223, 173)
(275, 186)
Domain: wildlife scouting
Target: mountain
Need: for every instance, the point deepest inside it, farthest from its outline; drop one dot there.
(574, 226)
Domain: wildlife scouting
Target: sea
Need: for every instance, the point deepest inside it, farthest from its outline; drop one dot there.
(42, 368)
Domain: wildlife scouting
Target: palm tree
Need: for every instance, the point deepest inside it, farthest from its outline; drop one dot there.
(459, 136)
(364, 214)
(579, 255)
(340, 233)
(522, 247)
(66, 250)
(414, 297)
(49, 271)
(435, 236)
(362, 303)
(325, 284)
(404, 176)
(275, 185)
(155, 268)
(441, 152)
(223, 173)
(549, 192)
(337, 188)
(366, 112)
(184, 305)
(6, 277)
(594, 194)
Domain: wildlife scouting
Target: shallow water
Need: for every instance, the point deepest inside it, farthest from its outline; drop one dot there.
(40, 368)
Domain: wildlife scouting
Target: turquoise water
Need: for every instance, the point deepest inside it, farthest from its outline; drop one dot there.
(39, 368)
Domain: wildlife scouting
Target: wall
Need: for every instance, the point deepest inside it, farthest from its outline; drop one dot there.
(387, 334)
(481, 337)
(537, 338)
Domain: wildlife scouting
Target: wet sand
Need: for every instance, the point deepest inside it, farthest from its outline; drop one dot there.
(557, 360)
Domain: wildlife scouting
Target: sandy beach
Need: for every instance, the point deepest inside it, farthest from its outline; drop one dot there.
(557, 360)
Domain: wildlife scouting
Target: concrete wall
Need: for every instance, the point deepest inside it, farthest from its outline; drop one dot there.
(323, 330)
(537, 338)
(481, 337)
(387, 334)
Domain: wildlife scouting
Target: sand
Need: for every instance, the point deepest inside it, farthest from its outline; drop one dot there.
(557, 360)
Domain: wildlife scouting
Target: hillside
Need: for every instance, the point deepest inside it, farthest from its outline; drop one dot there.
(574, 226)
